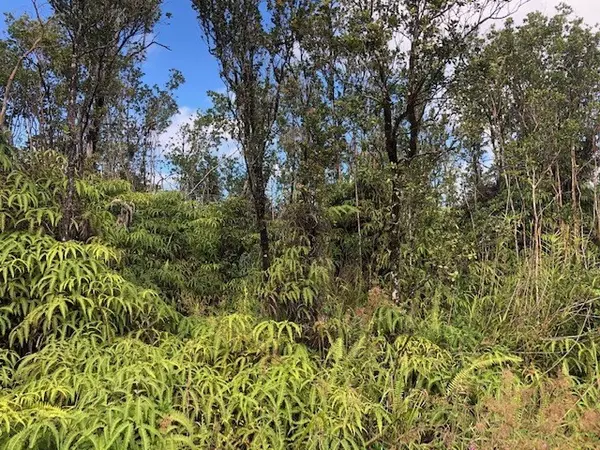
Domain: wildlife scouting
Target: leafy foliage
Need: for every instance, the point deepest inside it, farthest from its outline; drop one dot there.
(399, 290)
(181, 249)
(91, 360)
(54, 289)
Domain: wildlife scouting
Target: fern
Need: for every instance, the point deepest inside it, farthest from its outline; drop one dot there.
(94, 353)
(481, 363)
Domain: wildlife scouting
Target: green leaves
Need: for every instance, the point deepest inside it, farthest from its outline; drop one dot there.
(217, 375)
(53, 288)
(90, 359)
(297, 286)
(173, 246)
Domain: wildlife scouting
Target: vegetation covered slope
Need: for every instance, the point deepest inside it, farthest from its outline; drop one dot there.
(90, 359)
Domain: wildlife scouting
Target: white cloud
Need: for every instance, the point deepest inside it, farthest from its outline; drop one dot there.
(589, 10)
(229, 148)
(185, 115)
(160, 172)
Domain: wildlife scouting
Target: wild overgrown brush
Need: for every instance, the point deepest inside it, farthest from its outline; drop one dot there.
(95, 352)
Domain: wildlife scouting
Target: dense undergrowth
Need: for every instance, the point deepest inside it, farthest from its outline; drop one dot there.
(148, 333)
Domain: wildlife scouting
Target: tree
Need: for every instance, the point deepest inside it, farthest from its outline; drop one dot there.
(253, 42)
(10, 80)
(528, 102)
(407, 50)
(193, 155)
(101, 37)
(137, 116)
(312, 136)
(28, 89)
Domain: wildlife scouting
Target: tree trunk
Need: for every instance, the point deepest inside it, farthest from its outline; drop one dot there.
(256, 180)
(260, 207)
(391, 147)
(414, 123)
(575, 206)
(73, 153)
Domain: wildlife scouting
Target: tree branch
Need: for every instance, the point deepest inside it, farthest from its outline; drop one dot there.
(11, 79)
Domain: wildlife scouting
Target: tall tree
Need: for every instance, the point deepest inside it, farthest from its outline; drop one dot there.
(408, 49)
(193, 155)
(528, 102)
(253, 42)
(29, 89)
(101, 36)
(137, 115)
(311, 136)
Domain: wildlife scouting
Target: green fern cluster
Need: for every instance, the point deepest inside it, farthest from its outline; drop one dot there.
(296, 285)
(221, 382)
(26, 203)
(50, 288)
(177, 247)
(91, 360)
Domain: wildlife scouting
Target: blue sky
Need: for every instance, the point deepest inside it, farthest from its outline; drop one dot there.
(188, 52)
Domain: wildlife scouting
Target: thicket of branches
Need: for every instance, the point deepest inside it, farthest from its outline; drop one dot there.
(385, 234)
